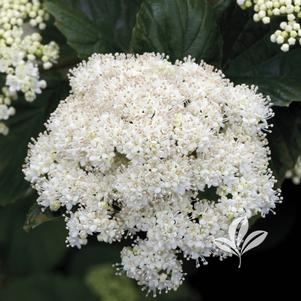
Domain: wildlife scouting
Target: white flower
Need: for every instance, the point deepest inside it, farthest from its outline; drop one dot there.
(155, 268)
(22, 51)
(265, 10)
(136, 147)
(285, 47)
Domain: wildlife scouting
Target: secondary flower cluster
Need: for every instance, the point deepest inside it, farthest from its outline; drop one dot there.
(167, 154)
(295, 172)
(21, 53)
(289, 32)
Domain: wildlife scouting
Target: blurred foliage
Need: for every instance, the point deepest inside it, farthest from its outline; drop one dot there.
(285, 139)
(48, 287)
(107, 286)
(28, 253)
(93, 255)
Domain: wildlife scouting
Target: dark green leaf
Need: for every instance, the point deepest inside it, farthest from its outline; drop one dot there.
(95, 25)
(27, 123)
(220, 6)
(37, 251)
(238, 29)
(28, 253)
(67, 55)
(36, 217)
(209, 194)
(46, 288)
(246, 36)
(81, 33)
(177, 28)
(285, 140)
(251, 58)
(107, 286)
(93, 255)
(276, 73)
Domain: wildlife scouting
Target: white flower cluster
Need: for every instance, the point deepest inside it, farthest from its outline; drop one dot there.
(295, 172)
(21, 52)
(289, 32)
(135, 150)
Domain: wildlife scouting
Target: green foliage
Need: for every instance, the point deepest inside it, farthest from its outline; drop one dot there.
(285, 139)
(250, 58)
(107, 286)
(276, 74)
(92, 255)
(104, 283)
(177, 28)
(29, 253)
(46, 288)
(95, 25)
(27, 123)
(36, 217)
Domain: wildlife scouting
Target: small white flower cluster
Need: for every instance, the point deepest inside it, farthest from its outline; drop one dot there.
(21, 52)
(136, 148)
(295, 172)
(289, 32)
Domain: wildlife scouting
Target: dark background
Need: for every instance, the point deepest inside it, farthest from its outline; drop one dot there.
(270, 271)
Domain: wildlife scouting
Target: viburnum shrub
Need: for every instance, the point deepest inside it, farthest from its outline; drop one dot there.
(166, 154)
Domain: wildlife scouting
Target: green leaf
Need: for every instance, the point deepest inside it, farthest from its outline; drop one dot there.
(29, 253)
(263, 64)
(80, 32)
(92, 255)
(240, 32)
(42, 248)
(251, 58)
(46, 288)
(209, 194)
(95, 25)
(28, 122)
(177, 28)
(220, 6)
(67, 56)
(36, 217)
(107, 286)
(285, 140)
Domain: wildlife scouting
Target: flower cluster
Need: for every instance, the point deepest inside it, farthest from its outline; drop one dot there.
(135, 150)
(21, 52)
(289, 32)
(295, 172)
